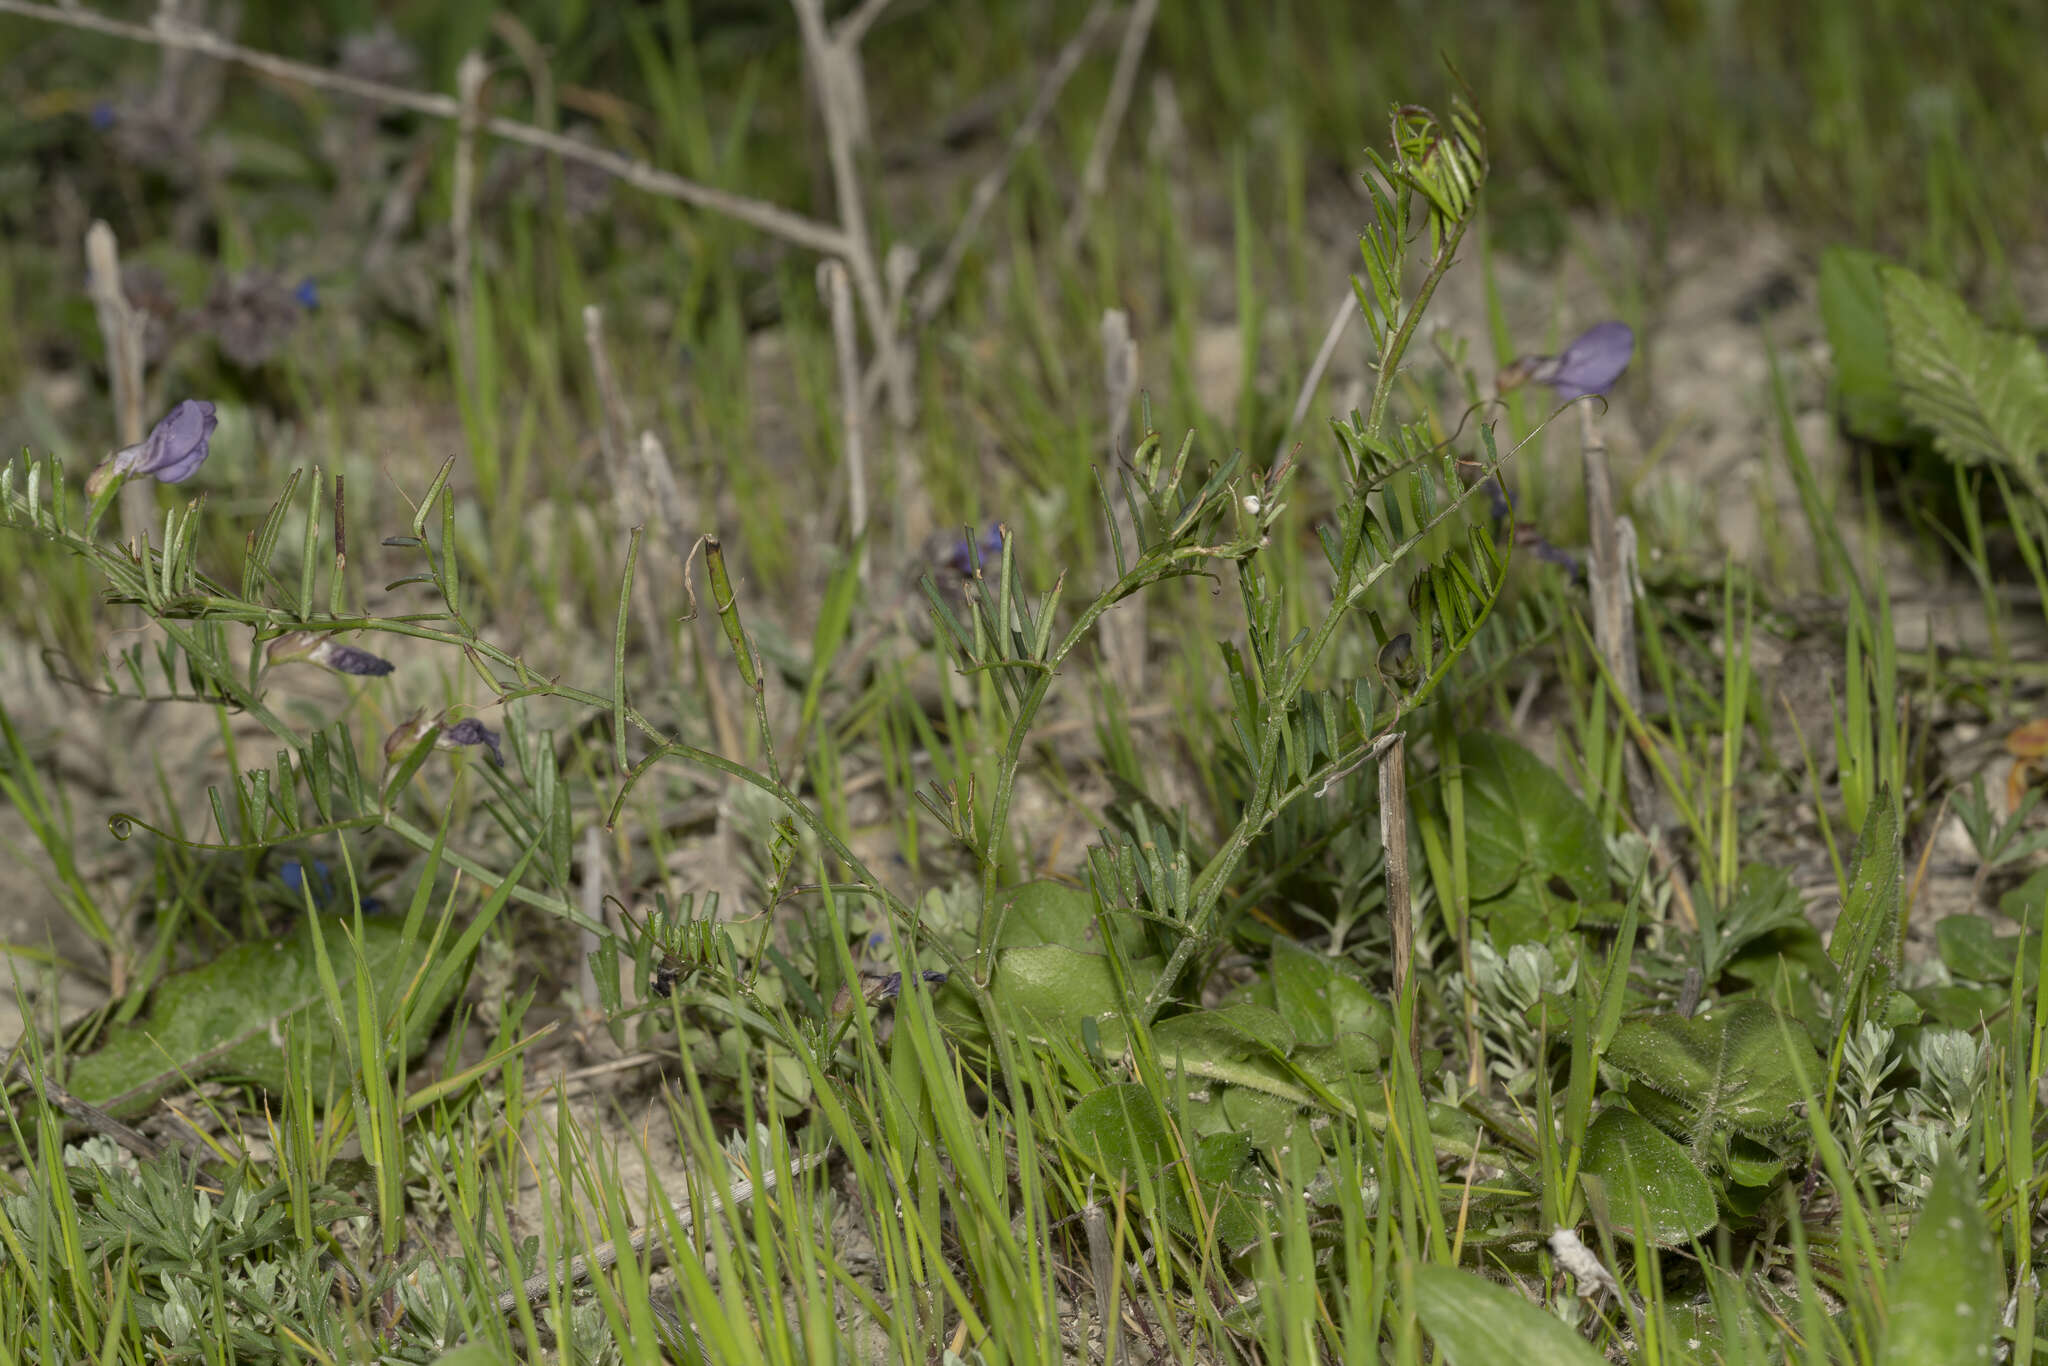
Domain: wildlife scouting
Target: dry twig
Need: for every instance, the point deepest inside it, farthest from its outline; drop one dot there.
(1095, 173)
(938, 286)
(170, 33)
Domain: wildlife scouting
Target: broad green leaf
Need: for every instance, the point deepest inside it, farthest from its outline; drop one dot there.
(1746, 1162)
(1048, 912)
(1865, 942)
(1054, 985)
(1478, 1323)
(1945, 1293)
(1726, 1071)
(1243, 1045)
(1320, 1001)
(1983, 393)
(1122, 1126)
(1523, 820)
(1971, 951)
(228, 1018)
(1852, 307)
(1962, 1007)
(2026, 903)
(1527, 913)
(1634, 1163)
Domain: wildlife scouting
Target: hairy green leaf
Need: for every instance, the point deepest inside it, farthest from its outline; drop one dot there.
(1726, 1072)
(228, 1019)
(1865, 942)
(1945, 1294)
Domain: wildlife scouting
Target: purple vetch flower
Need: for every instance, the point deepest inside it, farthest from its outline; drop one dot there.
(103, 116)
(173, 451)
(1589, 365)
(471, 731)
(328, 653)
(876, 987)
(308, 294)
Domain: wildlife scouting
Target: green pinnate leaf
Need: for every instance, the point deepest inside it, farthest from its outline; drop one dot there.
(1982, 393)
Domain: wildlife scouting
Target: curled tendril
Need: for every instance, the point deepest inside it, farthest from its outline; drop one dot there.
(121, 825)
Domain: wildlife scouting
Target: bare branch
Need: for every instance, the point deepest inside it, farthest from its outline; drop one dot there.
(169, 33)
(837, 292)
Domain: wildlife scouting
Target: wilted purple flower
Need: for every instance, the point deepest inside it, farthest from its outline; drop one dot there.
(471, 731)
(251, 316)
(1527, 535)
(102, 115)
(1589, 365)
(1497, 500)
(447, 735)
(986, 549)
(876, 987)
(174, 449)
(325, 893)
(328, 653)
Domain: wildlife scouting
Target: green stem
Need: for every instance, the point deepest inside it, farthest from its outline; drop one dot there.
(1209, 883)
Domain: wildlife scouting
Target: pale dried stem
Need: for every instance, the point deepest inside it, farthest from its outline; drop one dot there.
(835, 70)
(1610, 582)
(121, 329)
(836, 289)
(629, 494)
(593, 911)
(1400, 908)
(1123, 628)
(470, 75)
(938, 286)
(1347, 309)
(1095, 173)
